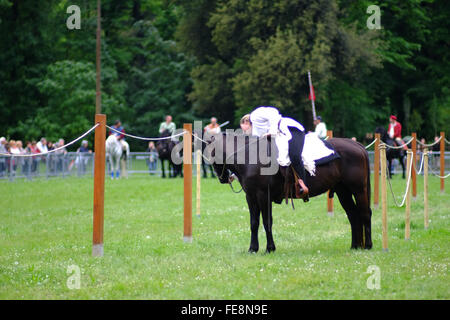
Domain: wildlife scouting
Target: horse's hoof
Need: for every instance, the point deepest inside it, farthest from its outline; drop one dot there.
(270, 249)
(253, 250)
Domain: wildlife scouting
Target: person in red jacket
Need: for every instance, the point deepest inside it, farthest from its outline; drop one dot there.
(395, 131)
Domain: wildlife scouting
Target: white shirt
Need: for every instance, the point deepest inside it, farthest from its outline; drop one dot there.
(391, 131)
(321, 130)
(14, 151)
(212, 131)
(269, 120)
(42, 148)
(265, 120)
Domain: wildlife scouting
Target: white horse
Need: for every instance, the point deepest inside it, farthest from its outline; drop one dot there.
(113, 154)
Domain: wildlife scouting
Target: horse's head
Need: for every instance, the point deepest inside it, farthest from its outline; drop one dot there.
(215, 151)
(383, 133)
(163, 146)
(227, 151)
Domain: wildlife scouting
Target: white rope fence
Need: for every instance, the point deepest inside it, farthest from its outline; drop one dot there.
(51, 151)
(446, 141)
(368, 146)
(431, 144)
(421, 164)
(407, 184)
(398, 147)
(437, 175)
(143, 138)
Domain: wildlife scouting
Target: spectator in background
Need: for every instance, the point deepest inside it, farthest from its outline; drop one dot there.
(14, 150)
(84, 147)
(152, 160)
(20, 161)
(420, 146)
(50, 158)
(436, 152)
(3, 158)
(167, 125)
(321, 128)
(60, 156)
(82, 157)
(42, 145)
(27, 161)
(212, 128)
(34, 160)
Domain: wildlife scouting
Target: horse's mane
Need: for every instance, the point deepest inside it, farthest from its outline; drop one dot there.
(165, 133)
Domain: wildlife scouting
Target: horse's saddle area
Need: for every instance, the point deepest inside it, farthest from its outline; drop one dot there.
(315, 153)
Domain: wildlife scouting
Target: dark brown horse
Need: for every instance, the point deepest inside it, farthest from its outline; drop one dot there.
(391, 153)
(164, 148)
(347, 176)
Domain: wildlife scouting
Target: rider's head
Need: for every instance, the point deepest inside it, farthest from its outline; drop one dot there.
(168, 118)
(318, 120)
(246, 125)
(392, 119)
(214, 120)
(117, 123)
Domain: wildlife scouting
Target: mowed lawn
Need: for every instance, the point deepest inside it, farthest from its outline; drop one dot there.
(46, 226)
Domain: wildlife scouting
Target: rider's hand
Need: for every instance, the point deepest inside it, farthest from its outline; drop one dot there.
(232, 178)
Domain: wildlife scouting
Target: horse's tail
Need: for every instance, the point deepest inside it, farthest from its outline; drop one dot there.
(368, 178)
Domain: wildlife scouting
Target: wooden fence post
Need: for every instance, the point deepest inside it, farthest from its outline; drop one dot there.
(410, 170)
(384, 198)
(199, 178)
(330, 200)
(376, 172)
(442, 149)
(414, 160)
(425, 188)
(187, 171)
(99, 185)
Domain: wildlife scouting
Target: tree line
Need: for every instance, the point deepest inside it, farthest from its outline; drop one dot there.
(201, 58)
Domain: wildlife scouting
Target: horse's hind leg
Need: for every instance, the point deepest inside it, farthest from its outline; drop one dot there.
(346, 200)
(365, 214)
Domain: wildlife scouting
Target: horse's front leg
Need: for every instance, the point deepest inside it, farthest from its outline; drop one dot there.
(254, 223)
(266, 209)
(162, 169)
(390, 168)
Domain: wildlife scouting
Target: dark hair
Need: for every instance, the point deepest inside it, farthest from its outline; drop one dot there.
(117, 122)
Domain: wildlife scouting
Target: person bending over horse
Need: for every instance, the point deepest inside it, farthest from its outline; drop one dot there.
(289, 137)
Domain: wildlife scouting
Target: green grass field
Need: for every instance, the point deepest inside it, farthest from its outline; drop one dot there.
(46, 226)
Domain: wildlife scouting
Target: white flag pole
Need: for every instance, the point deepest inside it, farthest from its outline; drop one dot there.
(311, 95)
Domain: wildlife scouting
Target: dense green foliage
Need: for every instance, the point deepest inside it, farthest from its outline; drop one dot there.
(195, 59)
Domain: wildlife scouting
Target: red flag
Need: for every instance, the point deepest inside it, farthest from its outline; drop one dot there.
(313, 94)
